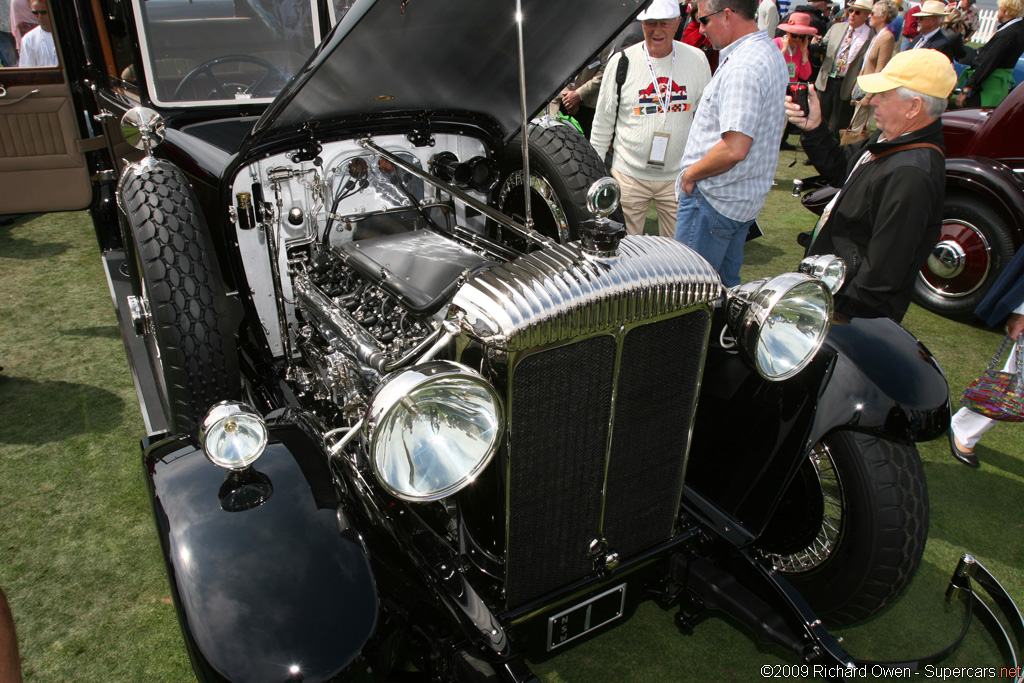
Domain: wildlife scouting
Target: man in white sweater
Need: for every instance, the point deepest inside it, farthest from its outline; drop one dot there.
(645, 122)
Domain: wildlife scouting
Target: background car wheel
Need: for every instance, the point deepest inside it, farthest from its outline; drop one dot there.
(563, 165)
(973, 248)
(869, 505)
(175, 272)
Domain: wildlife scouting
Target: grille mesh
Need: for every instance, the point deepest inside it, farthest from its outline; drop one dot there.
(561, 409)
(560, 415)
(653, 412)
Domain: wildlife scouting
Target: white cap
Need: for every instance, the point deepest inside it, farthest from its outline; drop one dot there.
(660, 9)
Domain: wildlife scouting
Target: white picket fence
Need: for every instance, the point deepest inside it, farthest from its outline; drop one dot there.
(986, 26)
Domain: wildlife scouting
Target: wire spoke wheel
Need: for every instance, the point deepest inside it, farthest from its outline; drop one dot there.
(850, 530)
(828, 536)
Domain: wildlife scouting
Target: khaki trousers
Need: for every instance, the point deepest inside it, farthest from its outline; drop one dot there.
(636, 197)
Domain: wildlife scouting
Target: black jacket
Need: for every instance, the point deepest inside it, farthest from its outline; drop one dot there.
(1001, 52)
(939, 41)
(887, 217)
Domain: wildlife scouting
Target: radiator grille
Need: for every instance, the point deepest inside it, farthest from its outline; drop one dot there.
(561, 409)
(657, 392)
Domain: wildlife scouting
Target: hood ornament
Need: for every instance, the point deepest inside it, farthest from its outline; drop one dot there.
(600, 236)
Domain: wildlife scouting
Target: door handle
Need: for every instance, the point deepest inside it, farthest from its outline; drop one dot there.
(3, 94)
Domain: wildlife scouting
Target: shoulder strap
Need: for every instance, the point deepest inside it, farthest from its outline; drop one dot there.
(620, 78)
(914, 145)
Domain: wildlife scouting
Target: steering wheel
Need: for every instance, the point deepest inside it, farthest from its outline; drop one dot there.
(223, 90)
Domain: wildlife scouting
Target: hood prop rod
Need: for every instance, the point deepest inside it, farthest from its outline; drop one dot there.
(525, 120)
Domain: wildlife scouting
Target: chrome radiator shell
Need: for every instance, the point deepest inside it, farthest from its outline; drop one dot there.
(558, 294)
(599, 362)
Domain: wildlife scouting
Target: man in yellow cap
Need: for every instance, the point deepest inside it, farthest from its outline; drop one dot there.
(886, 218)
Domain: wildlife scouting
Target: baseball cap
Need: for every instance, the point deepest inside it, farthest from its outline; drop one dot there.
(660, 9)
(926, 71)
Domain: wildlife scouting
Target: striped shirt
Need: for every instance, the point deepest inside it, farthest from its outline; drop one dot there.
(746, 95)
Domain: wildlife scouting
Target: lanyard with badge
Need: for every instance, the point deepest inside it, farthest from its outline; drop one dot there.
(659, 143)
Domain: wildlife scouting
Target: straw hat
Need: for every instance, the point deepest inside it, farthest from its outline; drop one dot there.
(932, 8)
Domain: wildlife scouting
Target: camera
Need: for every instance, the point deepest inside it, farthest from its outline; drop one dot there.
(798, 91)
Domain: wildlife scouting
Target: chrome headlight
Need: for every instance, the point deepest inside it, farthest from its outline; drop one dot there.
(828, 268)
(233, 435)
(780, 322)
(431, 429)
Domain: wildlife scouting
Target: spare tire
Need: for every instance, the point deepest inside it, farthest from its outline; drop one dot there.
(563, 166)
(174, 272)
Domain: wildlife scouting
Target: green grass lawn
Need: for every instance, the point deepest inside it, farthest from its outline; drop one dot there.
(79, 557)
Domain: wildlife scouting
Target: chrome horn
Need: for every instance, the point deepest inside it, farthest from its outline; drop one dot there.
(479, 173)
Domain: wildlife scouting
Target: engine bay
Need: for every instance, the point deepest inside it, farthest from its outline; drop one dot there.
(352, 259)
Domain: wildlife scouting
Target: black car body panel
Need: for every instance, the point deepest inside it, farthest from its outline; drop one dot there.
(870, 376)
(223, 534)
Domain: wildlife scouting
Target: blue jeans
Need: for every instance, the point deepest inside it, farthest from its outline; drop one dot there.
(717, 238)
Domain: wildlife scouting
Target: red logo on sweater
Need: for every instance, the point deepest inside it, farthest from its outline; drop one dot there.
(675, 94)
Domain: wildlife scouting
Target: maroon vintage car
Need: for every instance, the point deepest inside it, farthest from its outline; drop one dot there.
(984, 213)
(983, 222)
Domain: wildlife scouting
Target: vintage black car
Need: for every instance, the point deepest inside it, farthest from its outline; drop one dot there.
(403, 416)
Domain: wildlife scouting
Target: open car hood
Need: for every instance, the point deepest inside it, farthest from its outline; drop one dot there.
(418, 57)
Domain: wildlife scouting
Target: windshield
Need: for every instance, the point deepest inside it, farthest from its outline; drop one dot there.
(216, 51)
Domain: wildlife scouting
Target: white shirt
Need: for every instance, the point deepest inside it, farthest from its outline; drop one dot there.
(37, 48)
(746, 95)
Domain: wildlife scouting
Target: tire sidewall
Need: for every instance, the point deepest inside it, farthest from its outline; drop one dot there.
(883, 530)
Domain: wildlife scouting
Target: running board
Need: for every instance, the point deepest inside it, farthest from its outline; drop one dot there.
(115, 267)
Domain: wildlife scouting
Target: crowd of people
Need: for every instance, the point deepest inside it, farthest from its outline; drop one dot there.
(26, 34)
(695, 125)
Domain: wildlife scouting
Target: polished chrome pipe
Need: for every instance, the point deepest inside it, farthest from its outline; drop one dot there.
(319, 306)
(490, 212)
(523, 115)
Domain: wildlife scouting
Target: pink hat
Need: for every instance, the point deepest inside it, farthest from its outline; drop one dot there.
(800, 24)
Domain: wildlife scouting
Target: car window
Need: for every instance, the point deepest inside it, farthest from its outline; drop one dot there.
(201, 52)
(116, 41)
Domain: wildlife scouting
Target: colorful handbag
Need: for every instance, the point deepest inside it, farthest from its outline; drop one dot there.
(997, 394)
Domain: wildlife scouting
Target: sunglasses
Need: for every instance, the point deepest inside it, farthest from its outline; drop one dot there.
(707, 17)
(37, 12)
(858, 12)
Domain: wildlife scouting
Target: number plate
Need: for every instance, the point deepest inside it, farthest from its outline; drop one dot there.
(579, 619)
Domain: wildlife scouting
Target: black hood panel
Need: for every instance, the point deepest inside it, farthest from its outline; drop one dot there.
(420, 56)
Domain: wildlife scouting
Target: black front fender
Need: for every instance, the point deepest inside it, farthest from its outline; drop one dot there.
(883, 381)
(751, 435)
(269, 592)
